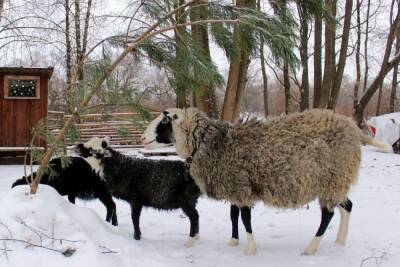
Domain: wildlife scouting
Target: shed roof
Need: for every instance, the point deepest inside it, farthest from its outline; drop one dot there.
(21, 70)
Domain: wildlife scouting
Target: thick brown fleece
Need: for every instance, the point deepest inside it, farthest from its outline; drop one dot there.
(285, 162)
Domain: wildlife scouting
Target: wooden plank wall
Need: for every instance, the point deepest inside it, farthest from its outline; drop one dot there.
(18, 116)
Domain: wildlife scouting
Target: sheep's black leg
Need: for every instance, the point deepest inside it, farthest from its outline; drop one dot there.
(71, 198)
(135, 214)
(193, 215)
(246, 219)
(107, 200)
(235, 228)
(326, 216)
(345, 210)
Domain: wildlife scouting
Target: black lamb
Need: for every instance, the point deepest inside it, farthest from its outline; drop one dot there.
(77, 180)
(160, 184)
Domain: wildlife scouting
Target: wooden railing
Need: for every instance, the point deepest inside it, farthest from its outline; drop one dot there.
(124, 129)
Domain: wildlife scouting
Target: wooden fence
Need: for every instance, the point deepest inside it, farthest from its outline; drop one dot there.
(124, 129)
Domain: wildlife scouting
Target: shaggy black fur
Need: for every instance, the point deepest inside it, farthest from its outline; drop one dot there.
(78, 180)
(160, 184)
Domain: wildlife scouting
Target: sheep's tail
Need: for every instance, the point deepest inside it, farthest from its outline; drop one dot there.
(368, 140)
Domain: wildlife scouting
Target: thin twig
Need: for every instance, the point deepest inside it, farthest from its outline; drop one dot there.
(5, 249)
(34, 231)
(30, 244)
(8, 229)
(38, 232)
(107, 250)
(378, 259)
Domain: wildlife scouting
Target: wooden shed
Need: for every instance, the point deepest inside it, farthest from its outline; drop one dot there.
(23, 102)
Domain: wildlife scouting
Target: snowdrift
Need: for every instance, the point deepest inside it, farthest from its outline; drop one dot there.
(42, 229)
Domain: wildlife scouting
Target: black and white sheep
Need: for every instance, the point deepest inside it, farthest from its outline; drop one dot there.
(286, 162)
(160, 184)
(77, 180)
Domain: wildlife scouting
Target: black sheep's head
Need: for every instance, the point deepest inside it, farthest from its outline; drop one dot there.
(95, 147)
(159, 133)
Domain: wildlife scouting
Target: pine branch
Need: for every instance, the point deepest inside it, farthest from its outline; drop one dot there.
(150, 32)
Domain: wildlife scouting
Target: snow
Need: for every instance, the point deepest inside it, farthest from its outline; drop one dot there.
(281, 235)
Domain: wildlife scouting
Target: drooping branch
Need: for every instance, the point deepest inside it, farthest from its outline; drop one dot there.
(150, 32)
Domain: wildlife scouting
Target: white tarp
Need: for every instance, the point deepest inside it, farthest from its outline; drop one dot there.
(386, 127)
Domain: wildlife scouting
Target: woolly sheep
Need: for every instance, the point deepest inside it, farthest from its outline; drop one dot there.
(286, 161)
(77, 180)
(160, 184)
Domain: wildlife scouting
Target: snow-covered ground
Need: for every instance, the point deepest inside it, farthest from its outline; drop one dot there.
(281, 235)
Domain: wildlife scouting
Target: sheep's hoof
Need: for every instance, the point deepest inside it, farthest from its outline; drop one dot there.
(190, 242)
(137, 236)
(197, 236)
(312, 247)
(308, 252)
(340, 242)
(250, 250)
(233, 242)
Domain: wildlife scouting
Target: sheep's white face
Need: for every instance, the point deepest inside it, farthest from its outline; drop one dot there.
(93, 151)
(160, 131)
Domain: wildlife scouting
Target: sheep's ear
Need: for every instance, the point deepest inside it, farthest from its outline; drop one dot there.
(106, 142)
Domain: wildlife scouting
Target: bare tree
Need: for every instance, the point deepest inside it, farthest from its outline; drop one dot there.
(357, 55)
(1, 8)
(329, 67)
(378, 103)
(286, 86)
(317, 61)
(394, 79)
(387, 64)
(366, 64)
(68, 51)
(338, 77)
(263, 70)
(304, 86)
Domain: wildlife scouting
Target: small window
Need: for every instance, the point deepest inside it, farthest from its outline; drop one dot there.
(21, 87)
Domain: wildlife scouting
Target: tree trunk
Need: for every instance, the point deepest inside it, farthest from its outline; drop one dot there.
(181, 94)
(204, 98)
(237, 73)
(68, 92)
(394, 79)
(79, 55)
(286, 85)
(366, 66)
(337, 80)
(263, 70)
(358, 56)
(317, 61)
(329, 69)
(304, 87)
(86, 28)
(1, 8)
(378, 103)
(265, 79)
